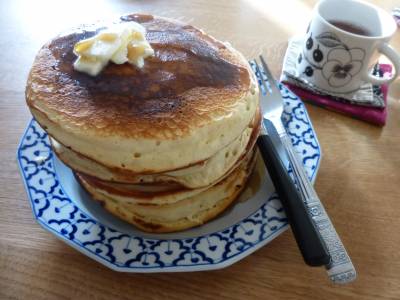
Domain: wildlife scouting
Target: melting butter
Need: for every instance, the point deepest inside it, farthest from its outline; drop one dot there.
(119, 43)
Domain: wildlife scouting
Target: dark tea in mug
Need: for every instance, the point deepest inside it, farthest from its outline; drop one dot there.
(350, 27)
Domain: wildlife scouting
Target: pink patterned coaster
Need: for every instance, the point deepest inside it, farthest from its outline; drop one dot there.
(374, 115)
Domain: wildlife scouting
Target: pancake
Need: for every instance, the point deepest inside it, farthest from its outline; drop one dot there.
(197, 176)
(167, 146)
(189, 101)
(181, 215)
(154, 193)
(141, 194)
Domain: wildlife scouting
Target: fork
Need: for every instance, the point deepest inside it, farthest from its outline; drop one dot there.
(309, 241)
(340, 269)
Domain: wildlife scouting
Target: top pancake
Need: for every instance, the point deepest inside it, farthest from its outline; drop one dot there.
(195, 90)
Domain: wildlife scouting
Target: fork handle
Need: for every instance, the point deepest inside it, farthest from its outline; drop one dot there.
(341, 269)
(307, 237)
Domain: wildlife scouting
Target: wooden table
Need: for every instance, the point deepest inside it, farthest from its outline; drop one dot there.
(358, 180)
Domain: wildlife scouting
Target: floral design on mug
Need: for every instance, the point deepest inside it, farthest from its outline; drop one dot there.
(329, 40)
(337, 63)
(342, 65)
(316, 59)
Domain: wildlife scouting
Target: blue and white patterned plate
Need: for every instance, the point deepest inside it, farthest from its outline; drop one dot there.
(62, 207)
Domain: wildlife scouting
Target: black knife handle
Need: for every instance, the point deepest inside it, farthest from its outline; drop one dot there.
(307, 237)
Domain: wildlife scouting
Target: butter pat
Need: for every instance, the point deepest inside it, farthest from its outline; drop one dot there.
(120, 43)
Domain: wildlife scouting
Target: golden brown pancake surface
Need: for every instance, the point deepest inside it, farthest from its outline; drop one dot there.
(190, 74)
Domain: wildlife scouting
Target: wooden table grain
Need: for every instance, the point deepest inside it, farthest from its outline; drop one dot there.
(359, 178)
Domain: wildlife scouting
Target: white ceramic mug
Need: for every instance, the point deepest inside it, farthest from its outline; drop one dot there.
(339, 61)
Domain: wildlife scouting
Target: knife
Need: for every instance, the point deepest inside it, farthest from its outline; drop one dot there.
(307, 236)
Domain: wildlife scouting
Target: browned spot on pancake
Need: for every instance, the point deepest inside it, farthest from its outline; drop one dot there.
(127, 191)
(147, 225)
(189, 74)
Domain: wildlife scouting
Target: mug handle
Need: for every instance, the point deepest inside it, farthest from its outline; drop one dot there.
(390, 53)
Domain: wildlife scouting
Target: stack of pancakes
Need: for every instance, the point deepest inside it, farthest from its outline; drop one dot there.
(166, 147)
